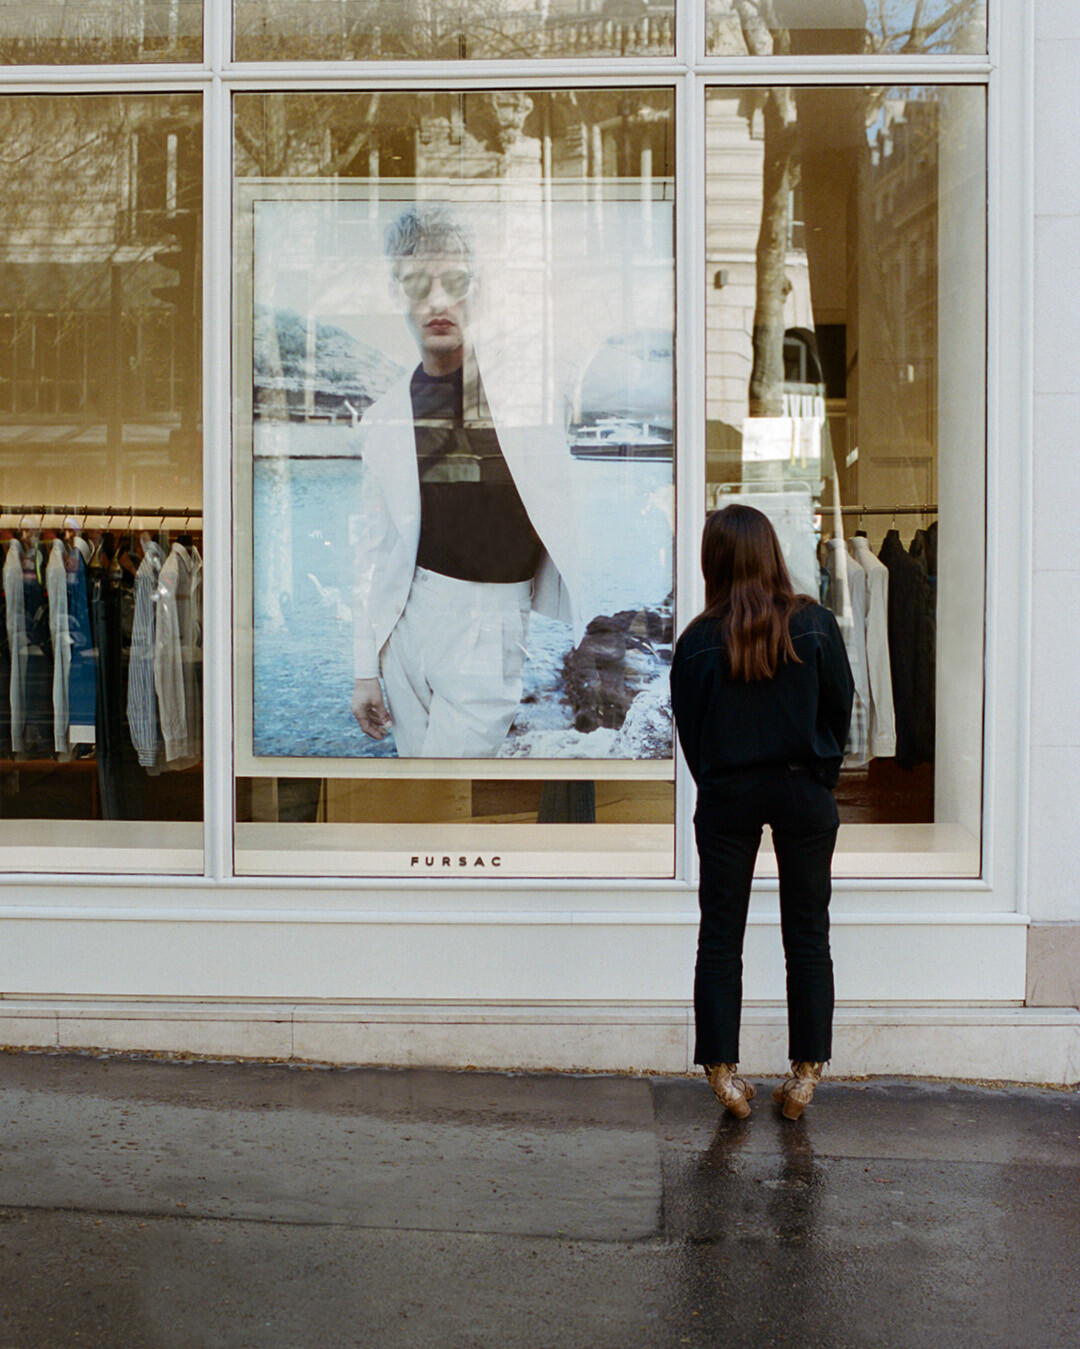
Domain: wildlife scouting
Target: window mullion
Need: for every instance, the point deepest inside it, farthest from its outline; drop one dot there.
(690, 251)
(217, 30)
(217, 478)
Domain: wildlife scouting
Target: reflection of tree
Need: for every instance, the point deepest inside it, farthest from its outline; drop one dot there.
(772, 28)
(928, 29)
(75, 32)
(831, 27)
(88, 186)
(333, 133)
(764, 37)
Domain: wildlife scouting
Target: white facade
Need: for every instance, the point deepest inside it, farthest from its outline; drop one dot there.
(963, 977)
(1053, 862)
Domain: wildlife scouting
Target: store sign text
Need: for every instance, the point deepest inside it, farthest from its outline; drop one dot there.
(439, 862)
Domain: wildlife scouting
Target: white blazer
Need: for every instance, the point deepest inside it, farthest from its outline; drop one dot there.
(879, 670)
(386, 532)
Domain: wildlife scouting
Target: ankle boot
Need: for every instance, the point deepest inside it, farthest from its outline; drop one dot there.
(796, 1091)
(732, 1092)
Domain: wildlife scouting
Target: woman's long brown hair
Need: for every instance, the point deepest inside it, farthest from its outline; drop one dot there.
(748, 591)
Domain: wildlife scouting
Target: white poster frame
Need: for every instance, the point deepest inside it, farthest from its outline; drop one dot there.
(248, 193)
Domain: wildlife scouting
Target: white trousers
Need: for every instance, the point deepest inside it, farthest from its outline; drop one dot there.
(453, 665)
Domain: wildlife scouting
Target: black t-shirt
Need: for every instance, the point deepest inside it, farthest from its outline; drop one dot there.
(473, 523)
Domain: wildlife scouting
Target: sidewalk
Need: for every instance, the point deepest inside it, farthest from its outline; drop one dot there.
(149, 1205)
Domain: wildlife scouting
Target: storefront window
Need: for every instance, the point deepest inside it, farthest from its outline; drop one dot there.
(455, 483)
(364, 30)
(101, 501)
(86, 32)
(845, 27)
(845, 398)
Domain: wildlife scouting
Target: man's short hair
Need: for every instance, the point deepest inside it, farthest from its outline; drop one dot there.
(427, 228)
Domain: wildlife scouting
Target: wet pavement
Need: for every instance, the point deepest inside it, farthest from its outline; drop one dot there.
(154, 1205)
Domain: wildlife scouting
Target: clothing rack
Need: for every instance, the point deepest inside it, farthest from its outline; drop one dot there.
(107, 512)
(880, 510)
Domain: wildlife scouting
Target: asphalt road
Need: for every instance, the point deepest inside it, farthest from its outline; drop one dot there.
(153, 1205)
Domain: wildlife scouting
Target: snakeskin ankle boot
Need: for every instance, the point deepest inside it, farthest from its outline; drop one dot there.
(732, 1092)
(796, 1091)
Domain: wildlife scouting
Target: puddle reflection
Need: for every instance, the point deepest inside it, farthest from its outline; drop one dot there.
(751, 1205)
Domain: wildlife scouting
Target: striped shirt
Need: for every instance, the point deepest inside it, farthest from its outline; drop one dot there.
(142, 708)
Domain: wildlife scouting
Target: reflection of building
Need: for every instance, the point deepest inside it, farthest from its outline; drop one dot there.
(841, 284)
(903, 188)
(476, 135)
(427, 29)
(98, 334)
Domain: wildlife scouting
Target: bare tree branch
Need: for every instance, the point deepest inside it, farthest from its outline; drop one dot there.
(916, 21)
(362, 138)
(920, 35)
(245, 138)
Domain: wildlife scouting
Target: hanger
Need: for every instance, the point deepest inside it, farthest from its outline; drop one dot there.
(124, 554)
(184, 536)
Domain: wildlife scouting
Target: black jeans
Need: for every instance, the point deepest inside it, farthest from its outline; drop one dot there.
(803, 816)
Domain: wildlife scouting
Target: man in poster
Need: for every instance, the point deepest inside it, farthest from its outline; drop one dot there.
(466, 521)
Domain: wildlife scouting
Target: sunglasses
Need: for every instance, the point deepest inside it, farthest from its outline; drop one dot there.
(455, 284)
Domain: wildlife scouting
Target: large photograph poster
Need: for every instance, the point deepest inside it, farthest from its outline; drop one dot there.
(462, 475)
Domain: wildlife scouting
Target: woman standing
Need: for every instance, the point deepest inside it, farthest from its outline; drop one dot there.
(761, 691)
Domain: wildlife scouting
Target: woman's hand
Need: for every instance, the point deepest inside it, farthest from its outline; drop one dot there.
(369, 709)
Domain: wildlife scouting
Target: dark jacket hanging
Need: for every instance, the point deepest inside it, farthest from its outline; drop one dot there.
(911, 652)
